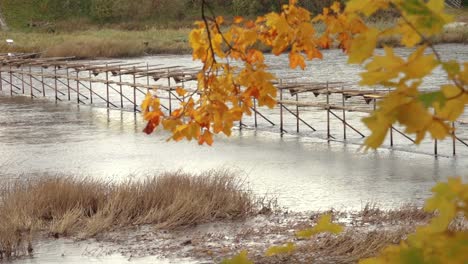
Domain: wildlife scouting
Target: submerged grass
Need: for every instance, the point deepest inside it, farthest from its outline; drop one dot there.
(86, 207)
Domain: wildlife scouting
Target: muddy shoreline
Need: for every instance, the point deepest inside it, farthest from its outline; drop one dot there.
(366, 233)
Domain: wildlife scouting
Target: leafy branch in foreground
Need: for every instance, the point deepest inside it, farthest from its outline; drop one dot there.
(226, 92)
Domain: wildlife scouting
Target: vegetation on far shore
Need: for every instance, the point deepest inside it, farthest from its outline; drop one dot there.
(151, 27)
(109, 43)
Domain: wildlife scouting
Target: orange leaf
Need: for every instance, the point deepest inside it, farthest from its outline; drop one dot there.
(181, 91)
(238, 19)
(207, 138)
(295, 59)
(150, 127)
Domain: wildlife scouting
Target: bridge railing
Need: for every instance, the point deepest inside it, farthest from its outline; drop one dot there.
(454, 3)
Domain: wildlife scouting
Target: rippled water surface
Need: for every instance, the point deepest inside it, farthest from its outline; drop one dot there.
(39, 137)
(305, 172)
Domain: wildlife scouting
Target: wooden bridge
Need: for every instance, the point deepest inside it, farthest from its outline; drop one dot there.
(454, 3)
(123, 85)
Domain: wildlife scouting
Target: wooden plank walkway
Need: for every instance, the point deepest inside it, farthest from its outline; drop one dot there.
(123, 85)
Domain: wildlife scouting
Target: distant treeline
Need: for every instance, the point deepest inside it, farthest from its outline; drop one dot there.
(23, 11)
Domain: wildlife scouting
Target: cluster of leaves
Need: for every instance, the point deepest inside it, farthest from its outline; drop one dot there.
(226, 92)
(420, 112)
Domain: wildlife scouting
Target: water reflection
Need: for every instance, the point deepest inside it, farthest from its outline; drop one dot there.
(38, 136)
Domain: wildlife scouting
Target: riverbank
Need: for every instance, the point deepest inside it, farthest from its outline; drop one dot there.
(201, 218)
(108, 43)
(366, 233)
(114, 43)
(85, 208)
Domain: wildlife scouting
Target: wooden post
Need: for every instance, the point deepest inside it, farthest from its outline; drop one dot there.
(78, 86)
(240, 121)
(31, 82)
(68, 84)
(344, 112)
(120, 87)
(375, 99)
(281, 109)
(391, 129)
(1, 80)
(22, 79)
(170, 91)
(42, 82)
(183, 87)
(436, 151)
(90, 87)
(255, 112)
(328, 113)
(454, 140)
(134, 90)
(11, 81)
(147, 76)
(391, 136)
(56, 84)
(297, 112)
(107, 87)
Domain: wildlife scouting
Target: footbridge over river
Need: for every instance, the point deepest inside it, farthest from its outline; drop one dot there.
(329, 110)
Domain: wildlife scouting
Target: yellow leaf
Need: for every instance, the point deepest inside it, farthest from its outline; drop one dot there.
(170, 124)
(278, 22)
(454, 105)
(289, 248)
(324, 224)
(379, 130)
(415, 117)
(367, 7)
(409, 37)
(241, 258)
(439, 130)
(419, 65)
(147, 102)
(362, 47)
(336, 7)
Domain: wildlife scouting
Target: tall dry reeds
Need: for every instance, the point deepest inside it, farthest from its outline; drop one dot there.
(68, 206)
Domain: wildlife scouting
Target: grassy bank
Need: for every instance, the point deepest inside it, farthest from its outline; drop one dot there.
(83, 37)
(85, 207)
(99, 43)
(116, 43)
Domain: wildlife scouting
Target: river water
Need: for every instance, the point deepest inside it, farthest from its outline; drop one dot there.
(38, 136)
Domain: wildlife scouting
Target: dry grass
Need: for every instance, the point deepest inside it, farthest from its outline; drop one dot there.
(86, 207)
(117, 43)
(373, 215)
(107, 43)
(345, 248)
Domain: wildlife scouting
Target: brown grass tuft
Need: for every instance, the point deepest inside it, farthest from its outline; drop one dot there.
(86, 207)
